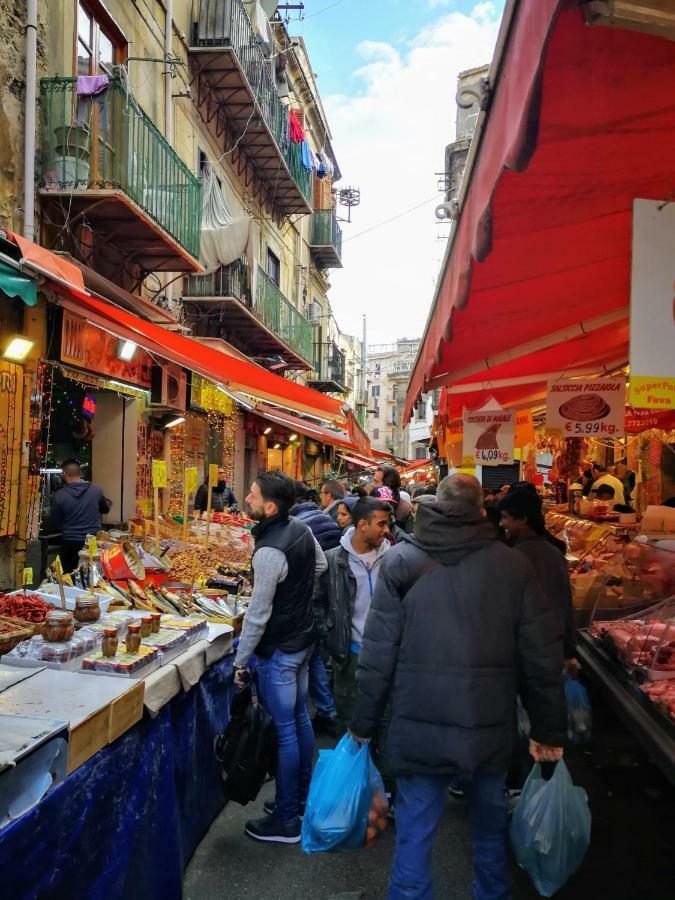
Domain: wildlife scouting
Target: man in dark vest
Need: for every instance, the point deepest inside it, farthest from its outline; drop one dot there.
(279, 629)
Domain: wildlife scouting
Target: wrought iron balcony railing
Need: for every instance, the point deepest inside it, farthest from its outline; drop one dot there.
(281, 317)
(109, 143)
(326, 237)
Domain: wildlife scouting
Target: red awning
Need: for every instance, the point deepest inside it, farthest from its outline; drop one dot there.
(415, 466)
(358, 462)
(302, 426)
(543, 242)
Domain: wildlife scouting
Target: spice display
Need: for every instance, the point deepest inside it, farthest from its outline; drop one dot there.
(25, 606)
(59, 625)
(133, 641)
(110, 642)
(208, 560)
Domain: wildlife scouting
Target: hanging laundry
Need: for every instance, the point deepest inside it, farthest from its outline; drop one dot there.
(224, 237)
(297, 131)
(92, 89)
(306, 156)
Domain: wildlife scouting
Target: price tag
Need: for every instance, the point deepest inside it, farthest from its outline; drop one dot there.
(27, 577)
(58, 568)
(159, 479)
(213, 475)
(93, 547)
(68, 580)
(191, 479)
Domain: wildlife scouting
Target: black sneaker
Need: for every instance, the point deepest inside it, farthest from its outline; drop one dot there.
(270, 807)
(272, 829)
(325, 725)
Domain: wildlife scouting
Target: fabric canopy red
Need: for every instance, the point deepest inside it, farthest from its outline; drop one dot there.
(302, 426)
(232, 372)
(543, 241)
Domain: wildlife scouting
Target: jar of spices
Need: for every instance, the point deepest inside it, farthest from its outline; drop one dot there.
(87, 609)
(110, 642)
(156, 622)
(58, 625)
(133, 642)
(146, 626)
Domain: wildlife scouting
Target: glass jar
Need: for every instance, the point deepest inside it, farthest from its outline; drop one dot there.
(58, 625)
(110, 642)
(156, 622)
(133, 641)
(146, 626)
(87, 609)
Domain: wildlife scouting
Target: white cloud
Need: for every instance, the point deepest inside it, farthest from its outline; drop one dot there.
(390, 137)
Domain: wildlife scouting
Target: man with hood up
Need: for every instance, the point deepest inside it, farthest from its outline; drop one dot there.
(76, 510)
(458, 624)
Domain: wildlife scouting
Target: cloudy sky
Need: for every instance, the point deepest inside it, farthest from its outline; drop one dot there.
(387, 73)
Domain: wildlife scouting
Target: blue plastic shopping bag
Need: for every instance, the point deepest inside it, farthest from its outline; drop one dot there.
(551, 829)
(343, 782)
(579, 716)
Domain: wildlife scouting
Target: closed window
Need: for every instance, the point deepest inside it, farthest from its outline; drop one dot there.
(375, 390)
(99, 45)
(376, 434)
(420, 452)
(273, 267)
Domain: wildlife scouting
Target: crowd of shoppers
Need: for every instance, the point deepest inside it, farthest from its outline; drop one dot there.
(429, 650)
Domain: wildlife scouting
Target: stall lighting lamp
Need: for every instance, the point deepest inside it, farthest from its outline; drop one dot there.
(18, 349)
(268, 429)
(293, 437)
(126, 350)
(174, 422)
(277, 446)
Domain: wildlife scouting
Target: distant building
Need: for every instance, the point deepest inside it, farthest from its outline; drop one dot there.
(456, 154)
(389, 369)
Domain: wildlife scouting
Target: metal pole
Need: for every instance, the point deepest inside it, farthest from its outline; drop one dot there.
(364, 376)
(29, 120)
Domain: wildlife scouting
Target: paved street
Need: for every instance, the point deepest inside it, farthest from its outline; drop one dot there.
(632, 855)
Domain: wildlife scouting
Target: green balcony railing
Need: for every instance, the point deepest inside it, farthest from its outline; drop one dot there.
(110, 143)
(282, 317)
(326, 231)
(225, 23)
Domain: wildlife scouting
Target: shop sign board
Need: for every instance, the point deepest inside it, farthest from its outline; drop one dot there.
(11, 407)
(639, 420)
(206, 395)
(524, 428)
(95, 350)
(489, 436)
(587, 407)
(652, 306)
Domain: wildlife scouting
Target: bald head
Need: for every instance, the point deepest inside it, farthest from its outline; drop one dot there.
(463, 491)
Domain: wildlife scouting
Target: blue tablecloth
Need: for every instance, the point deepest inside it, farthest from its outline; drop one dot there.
(125, 824)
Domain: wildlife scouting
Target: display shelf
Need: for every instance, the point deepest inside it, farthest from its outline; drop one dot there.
(651, 728)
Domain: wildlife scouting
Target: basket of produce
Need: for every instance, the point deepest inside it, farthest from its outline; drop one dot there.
(13, 632)
(26, 607)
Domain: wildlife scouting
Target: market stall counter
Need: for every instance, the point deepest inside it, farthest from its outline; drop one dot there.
(125, 823)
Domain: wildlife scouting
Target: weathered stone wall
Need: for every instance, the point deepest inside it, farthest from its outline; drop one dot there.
(12, 83)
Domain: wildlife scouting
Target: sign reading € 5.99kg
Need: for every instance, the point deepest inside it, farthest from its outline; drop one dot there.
(489, 436)
(587, 407)
(652, 312)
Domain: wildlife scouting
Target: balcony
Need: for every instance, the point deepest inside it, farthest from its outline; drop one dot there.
(329, 364)
(105, 164)
(326, 239)
(237, 96)
(220, 305)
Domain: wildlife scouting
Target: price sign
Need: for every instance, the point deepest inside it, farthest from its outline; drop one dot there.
(213, 475)
(489, 435)
(191, 479)
(159, 479)
(27, 577)
(587, 407)
(93, 547)
(58, 568)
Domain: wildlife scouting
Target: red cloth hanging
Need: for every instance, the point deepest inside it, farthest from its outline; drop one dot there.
(296, 129)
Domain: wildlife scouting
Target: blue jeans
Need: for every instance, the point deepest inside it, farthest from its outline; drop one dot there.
(283, 681)
(420, 800)
(319, 688)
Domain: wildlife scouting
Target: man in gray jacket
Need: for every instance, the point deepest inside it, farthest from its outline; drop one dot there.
(458, 625)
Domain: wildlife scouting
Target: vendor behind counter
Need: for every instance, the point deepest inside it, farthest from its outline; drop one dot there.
(222, 496)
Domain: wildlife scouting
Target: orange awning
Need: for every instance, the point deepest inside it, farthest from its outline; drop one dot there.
(232, 373)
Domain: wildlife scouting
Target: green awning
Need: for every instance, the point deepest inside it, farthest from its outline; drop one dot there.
(16, 284)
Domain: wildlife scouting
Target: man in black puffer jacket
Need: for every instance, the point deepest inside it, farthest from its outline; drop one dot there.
(324, 528)
(457, 627)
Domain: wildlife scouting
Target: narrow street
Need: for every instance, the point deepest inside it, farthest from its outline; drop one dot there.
(631, 857)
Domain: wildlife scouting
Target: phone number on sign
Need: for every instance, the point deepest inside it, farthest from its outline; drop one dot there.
(591, 428)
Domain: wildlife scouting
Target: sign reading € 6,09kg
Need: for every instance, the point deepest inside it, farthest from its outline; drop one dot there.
(587, 407)
(489, 436)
